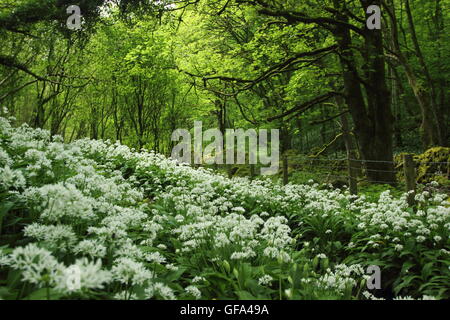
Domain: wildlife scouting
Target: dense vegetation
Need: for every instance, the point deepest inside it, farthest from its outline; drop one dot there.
(138, 225)
(85, 138)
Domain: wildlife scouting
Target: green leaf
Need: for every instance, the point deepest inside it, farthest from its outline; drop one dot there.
(4, 209)
(427, 270)
(43, 294)
(245, 295)
(175, 275)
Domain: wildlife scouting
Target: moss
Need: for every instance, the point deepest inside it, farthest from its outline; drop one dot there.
(432, 165)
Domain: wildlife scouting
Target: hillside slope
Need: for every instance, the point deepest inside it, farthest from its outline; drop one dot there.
(98, 220)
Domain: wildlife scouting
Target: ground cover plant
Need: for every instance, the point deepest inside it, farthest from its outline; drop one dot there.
(137, 225)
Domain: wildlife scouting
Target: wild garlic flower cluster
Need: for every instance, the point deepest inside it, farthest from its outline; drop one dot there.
(132, 224)
(342, 278)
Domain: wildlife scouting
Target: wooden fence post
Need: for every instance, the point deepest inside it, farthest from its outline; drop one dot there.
(252, 171)
(410, 177)
(353, 176)
(285, 169)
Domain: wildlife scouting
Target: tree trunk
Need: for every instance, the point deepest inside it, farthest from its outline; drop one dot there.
(430, 124)
(373, 124)
(429, 92)
(285, 144)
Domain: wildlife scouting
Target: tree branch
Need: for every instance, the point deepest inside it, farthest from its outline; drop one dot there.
(305, 106)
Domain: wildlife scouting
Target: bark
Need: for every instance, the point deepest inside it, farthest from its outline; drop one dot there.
(396, 105)
(373, 120)
(285, 144)
(429, 128)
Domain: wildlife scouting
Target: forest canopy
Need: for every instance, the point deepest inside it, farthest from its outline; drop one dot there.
(137, 70)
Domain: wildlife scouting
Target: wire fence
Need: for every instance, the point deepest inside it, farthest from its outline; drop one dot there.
(355, 172)
(407, 172)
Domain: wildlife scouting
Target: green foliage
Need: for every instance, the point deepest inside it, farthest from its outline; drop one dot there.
(140, 70)
(186, 233)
